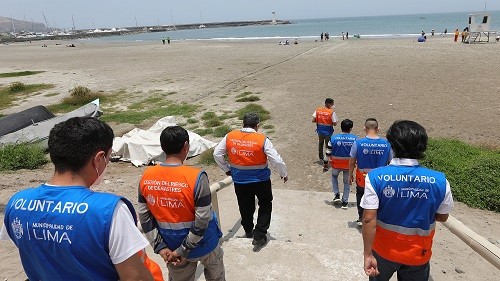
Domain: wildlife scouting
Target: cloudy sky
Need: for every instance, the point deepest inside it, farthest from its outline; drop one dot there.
(118, 13)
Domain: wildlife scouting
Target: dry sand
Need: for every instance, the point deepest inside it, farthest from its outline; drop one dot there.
(452, 89)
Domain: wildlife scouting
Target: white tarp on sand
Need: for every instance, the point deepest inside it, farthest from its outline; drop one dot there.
(142, 147)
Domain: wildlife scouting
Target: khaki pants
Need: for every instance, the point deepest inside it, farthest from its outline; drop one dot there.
(213, 262)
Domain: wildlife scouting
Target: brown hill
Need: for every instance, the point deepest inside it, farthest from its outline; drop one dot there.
(19, 25)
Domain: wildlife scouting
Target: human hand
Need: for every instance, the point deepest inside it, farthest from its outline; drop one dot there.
(174, 258)
(165, 253)
(370, 266)
(285, 178)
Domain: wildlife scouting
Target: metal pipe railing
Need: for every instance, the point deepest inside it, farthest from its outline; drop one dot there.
(214, 188)
(479, 244)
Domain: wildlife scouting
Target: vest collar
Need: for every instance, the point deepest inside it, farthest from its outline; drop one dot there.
(404, 162)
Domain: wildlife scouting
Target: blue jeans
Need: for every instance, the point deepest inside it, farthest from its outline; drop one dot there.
(335, 183)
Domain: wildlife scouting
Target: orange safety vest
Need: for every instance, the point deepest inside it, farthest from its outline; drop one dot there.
(246, 150)
(169, 191)
(360, 176)
(151, 266)
(341, 163)
(405, 249)
(324, 116)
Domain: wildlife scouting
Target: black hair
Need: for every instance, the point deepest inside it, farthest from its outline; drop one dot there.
(74, 142)
(250, 120)
(408, 139)
(329, 101)
(346, 125)
(172, 139)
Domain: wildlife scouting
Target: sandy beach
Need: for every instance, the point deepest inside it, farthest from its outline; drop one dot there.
(452, 89)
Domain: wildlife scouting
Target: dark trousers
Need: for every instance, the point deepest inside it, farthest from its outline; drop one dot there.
(322, 142)
(360, 191)
(404, 272)
(246, 193)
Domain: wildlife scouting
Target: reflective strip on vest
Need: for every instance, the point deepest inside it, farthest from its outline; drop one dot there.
(176, 225)
(407, 230)
(256, 167)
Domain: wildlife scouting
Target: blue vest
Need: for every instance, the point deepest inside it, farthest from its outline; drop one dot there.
(324, 130)
(372, 153)
(243, 176)
(63, 232)
(174, 237)
(409, 197)
(341, 144)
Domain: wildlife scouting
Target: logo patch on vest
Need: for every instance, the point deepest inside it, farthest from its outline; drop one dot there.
(17, 228)
(233, 150)
(388, 191)
(151, 199)
(365, 151)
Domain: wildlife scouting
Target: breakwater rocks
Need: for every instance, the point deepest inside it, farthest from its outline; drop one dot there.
(78, 34)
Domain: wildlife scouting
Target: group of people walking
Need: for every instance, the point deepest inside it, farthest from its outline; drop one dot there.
(66, 231)
(398, 201)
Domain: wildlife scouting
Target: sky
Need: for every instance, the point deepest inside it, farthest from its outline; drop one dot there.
(123, 13)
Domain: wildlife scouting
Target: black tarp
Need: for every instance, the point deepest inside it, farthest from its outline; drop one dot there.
(23, 119)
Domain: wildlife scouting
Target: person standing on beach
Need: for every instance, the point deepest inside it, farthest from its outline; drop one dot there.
(249, 154)
(367, 154)
(64, 230)
(325, 118)
(347, 35)
(338, 149)
(168, 40)
(176, 201)
(402, 203)
(163, 40)
(432, 33)
(456, 35)
(343, 35)
(321, 36)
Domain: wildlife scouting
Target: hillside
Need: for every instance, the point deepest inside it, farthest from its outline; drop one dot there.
(6, 25)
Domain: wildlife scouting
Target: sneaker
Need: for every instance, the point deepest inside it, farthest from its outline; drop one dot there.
(337, 198)
(325, 166)
(344, 205)
(359, 223)
(259, 242)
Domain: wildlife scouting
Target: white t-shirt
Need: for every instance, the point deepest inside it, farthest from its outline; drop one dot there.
(125, 239)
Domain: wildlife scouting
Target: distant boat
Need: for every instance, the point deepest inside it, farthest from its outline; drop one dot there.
(39, 132)
(202, 26)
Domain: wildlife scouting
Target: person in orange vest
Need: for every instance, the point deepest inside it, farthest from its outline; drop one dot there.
(249, 153)
(367, 154)
(74, 232)
(325, 118)
(402, 203)
(338, 149)
(175, 201)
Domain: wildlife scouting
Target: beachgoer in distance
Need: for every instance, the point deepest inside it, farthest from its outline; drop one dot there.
(249, 153)
(175, 200)
(347, 35)
(163, 40)
(325, 119)
(398, 228)
(343, 35)
(168, 40)
(456, 35)
(432, 32)
(338, 150)
(296, 42)
(367, 154)
(82, 234)
(321, 36)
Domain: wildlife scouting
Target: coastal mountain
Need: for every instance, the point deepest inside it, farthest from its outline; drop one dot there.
(19, 25)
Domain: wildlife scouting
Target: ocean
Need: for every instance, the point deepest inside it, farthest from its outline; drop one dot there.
(367, 27)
